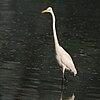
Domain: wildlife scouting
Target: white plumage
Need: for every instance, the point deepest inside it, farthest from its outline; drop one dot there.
(63, 58)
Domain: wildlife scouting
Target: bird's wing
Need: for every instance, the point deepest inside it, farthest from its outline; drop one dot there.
(66, 59)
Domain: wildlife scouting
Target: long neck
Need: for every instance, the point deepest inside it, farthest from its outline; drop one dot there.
(54, 30)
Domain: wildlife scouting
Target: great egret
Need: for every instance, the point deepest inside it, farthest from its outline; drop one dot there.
(63, 58)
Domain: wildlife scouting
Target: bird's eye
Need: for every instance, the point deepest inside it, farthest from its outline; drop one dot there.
(48, 9)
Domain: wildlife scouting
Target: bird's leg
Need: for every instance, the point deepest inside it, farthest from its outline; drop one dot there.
(62, 85)
(64, 74)
(63, 78)
(66, 80)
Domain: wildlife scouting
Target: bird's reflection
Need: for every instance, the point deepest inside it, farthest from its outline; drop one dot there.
(69, 95)
(60, 97)
(72, 97)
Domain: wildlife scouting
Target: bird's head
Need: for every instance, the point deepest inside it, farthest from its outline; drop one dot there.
(49, 9)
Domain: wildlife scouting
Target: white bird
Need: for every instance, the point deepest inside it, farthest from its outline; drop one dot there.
(63, 58)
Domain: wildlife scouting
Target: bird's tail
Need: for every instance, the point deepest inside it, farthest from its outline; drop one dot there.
(75, 72)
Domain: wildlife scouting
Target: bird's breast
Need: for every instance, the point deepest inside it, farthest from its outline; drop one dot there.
(58, 59)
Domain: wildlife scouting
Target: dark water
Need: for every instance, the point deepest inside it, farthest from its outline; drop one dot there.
(28, 68)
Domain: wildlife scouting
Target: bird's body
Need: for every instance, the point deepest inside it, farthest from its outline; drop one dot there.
(63, 58)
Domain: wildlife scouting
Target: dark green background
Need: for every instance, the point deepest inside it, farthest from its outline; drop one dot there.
(28, 68)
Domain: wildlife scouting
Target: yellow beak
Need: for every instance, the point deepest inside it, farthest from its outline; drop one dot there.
(44, 11)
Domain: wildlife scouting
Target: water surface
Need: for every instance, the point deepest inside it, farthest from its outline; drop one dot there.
(28, 68)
